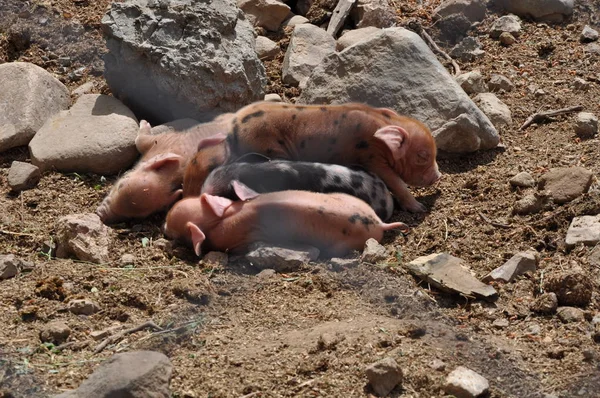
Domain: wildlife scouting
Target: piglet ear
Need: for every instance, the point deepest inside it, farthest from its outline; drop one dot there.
(243, 191)
(163, 160)
(212, 140)
(217, 204)
(197, 236)
(144, 140)
(394, 138)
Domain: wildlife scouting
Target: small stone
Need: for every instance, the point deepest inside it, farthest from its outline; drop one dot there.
(499, 82)
(507, 23)
(586, 125)
(374, 252)
(55, 332)
(23, 176)
(580, 84)
(384, 376)
(584, 229)
(507, 39)
(496, 110)
(340, 264)
(523, 179)
(517, 265)
(564, 184)
(500, 323)
(127, 259)
(533, 329)
(266, 274)
(279, 258)
(572, 287)
(266, 49)
(465, 383)
(217, 258)
(8, 266)
(83, 307)
(273, 97)
(438, 365)
(545, 303)
(164, 245)
(468, 50)
(588, 34)
(570, 314)
(472, 82)
(531, 203)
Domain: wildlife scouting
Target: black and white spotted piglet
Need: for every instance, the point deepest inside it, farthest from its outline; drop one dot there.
(283, 175)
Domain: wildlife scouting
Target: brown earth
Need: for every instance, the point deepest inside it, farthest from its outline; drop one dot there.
(312, 332)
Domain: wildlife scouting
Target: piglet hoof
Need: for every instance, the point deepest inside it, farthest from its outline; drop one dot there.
(145, 127)
(414, 207)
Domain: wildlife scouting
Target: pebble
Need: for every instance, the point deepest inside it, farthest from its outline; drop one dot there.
(83, 307)
(580, 84)
(588, 34)
(266, 274)
(531, 203)
(23, 176)
(586, 125)
(127, 259)
(340, 264)
(545, 303)
(499, 82)
(570, 314)
(8, 266)
(507, 39)
(55, 332)
(465, 383)
(564, 184)
(534, 329)
(384, 376)
(523, 179)
(217, 258)
(500, 323)
(437, 364)
(374, 252)
(584, 229)
(507, 23)
(281, 259)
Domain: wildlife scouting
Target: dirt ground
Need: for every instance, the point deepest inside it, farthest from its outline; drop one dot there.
(312, 332)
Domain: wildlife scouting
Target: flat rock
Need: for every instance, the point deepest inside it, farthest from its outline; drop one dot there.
(498, 82)
(384, 375)
(396, 69)
(522, 179)
(174, 60)
(506, 23)
(374, 252)
(29, 96)
(55, 332)
(378, 13)
(447, 273)
(351, 37)
(135, 374)
(268, 14)
(309, 44)
(97, 135)
(517, 265)
(572, 287)
(9, 266)
(586, 125)
(566, 183)
(584, 229)
(83, 307)
(570, 314)
(23, 175)
(588, 34)
(496, 110)
(472, 82)
(540, 10)
(474, 10)
(266, 48)
(465, 383)
(467, 50)
(279, 258)
(84, 236)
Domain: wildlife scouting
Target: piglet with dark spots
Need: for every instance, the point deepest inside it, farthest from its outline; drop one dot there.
(282, 175)
(287, 217)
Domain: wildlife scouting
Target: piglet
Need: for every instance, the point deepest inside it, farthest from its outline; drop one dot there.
(156, 180)
(282, 175)
(335, 223)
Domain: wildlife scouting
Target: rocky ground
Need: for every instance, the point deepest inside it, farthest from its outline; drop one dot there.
(231, 331)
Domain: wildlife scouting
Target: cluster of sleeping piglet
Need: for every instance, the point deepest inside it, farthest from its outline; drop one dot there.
(319, 175)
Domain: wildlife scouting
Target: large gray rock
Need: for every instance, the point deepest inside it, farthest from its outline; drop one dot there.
(541, 10)
(29, 96)
(396, 69)
(308, 46)
(172, 60)
(472, 82)
(136, 374)
(467, 50)
(97, 135)
(564, 184)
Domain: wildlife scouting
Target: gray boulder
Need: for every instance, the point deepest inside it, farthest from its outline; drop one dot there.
(172, 60)
(540, 10)
(29, 96)
(308, 46)
(396, 69)
(136, 374)
(97, 135)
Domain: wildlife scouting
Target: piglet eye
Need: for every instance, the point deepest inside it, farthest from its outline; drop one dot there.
(422, 157)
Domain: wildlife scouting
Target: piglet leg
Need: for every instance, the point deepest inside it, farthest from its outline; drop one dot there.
(401, 192)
